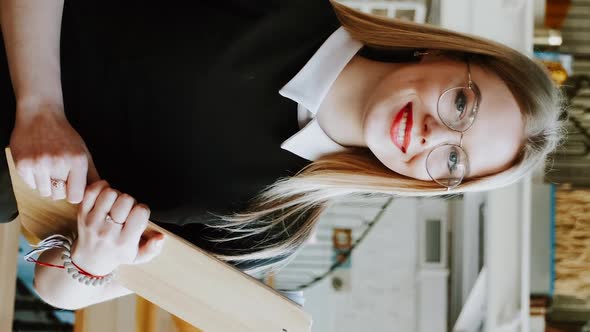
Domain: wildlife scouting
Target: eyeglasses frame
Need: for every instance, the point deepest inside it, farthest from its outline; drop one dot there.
(473, 87)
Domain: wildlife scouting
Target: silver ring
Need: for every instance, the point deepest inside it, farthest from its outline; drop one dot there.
(57, 184)
(110, 219)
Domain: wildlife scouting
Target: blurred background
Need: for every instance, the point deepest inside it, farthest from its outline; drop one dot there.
(515, 259)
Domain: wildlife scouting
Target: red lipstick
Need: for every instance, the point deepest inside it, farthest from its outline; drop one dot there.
(401, 128)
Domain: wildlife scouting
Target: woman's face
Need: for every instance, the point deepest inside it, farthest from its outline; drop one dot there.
(491, 143)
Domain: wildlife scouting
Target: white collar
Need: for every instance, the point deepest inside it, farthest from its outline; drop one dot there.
(309, 88)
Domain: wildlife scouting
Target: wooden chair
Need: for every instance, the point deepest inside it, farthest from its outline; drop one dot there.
(9, 235)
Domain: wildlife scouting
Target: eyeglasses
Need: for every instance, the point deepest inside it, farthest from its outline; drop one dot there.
(447, 164)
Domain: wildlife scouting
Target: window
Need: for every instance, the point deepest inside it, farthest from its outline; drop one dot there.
(433, 242)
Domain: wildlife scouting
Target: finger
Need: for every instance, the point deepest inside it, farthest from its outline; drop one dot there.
(59, 172)
(106, 199)
(58, 191)
(104, 203)
(42, 181)
(136, 224)
(27, 175)
(90, 196)
(151, 245)
(106, 227)
(92, 175)
(122, 208)
(77, 180)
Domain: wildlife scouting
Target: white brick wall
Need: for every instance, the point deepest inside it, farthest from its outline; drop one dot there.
(383, 279)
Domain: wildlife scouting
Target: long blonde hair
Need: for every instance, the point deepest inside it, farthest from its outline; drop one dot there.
(288, 210)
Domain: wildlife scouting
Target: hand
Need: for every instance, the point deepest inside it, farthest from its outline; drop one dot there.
(46, 148)
(103, 245)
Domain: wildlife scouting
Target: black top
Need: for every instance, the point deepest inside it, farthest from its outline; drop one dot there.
(178, 101)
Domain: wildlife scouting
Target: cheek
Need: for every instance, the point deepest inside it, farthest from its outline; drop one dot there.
(400, 82)
(380, 110)
(376, 122)
(415, 168)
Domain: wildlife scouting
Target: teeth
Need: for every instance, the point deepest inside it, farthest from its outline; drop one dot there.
(401, 134)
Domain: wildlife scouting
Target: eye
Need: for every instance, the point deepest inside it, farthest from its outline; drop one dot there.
(452, 160)
(460, 102)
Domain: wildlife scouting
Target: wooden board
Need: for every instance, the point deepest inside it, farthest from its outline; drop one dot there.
(117, 315)
(9, 234)
(183, 279)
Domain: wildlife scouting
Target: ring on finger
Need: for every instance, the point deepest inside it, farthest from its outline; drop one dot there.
(110, 219)
(57, 184)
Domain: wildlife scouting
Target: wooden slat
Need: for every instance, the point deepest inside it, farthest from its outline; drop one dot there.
(9, 234)
(183, 279)
(151, 318)
(79, 321)
(117, 315)
(146, 315)
(183, 326)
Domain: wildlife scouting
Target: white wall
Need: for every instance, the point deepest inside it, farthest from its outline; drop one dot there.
(465, 219)
(383, 279)
(507, 21)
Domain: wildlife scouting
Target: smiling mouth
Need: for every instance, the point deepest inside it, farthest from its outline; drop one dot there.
(401, 128)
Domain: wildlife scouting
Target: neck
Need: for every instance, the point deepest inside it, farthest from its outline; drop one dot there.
(341, 114)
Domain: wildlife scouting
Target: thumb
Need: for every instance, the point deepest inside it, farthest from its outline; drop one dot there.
(150, 246)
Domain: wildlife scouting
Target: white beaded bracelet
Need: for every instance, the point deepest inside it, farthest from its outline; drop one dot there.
(82, 276)
(65, 243)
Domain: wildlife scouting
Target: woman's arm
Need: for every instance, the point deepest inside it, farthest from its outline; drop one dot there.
(100, 248)
(46, 149)
(31, 31)
(58, 289)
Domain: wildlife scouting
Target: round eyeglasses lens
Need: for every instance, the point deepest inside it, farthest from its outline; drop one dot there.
(447, 164)
(457, 108)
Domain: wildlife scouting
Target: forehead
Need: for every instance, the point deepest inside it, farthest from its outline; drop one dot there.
(496, 136)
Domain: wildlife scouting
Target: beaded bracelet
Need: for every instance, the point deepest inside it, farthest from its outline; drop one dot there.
(65, 243)
(82, 276)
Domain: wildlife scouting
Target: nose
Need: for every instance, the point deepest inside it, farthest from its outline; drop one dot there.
(434, 133)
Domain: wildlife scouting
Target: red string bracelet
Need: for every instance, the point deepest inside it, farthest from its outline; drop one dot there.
(65, 243)
(80, 270)
(32, 260)
(88, 274)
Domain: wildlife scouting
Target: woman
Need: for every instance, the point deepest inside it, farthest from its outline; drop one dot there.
(180, 110)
